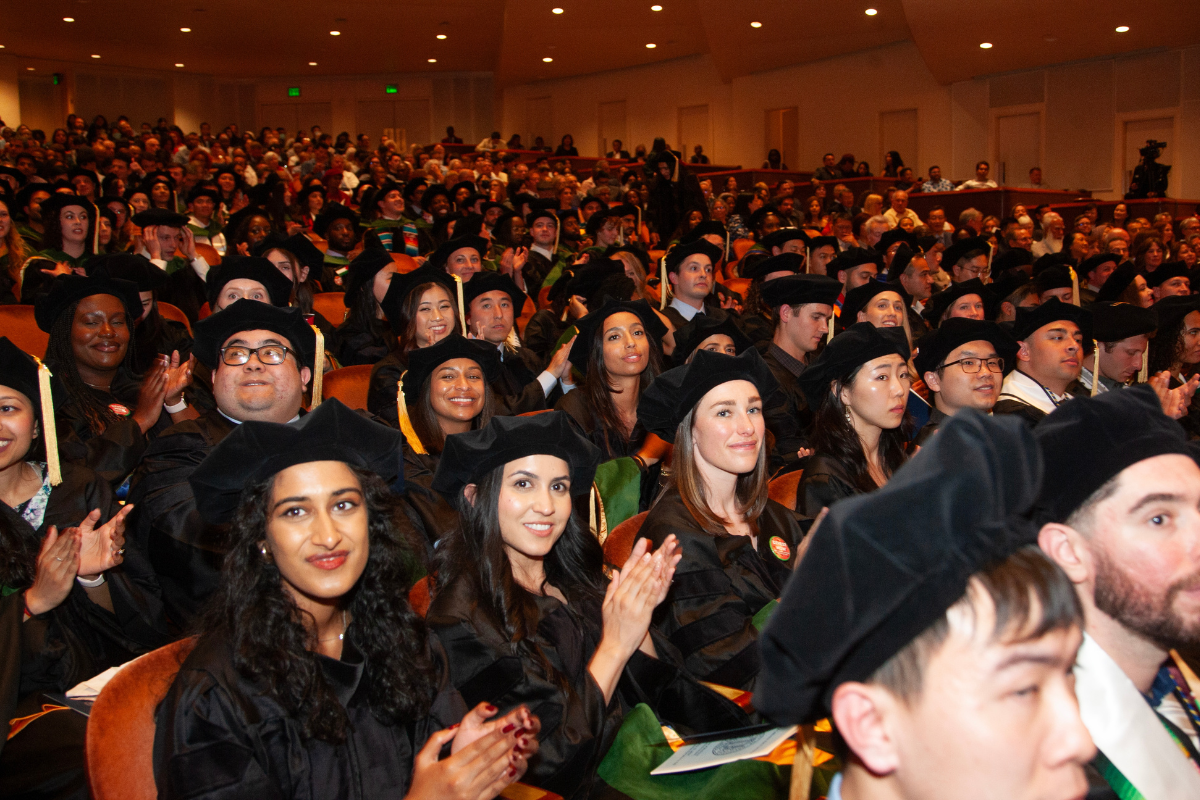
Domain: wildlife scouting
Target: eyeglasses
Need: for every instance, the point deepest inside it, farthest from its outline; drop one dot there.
(270, 354)
(973, 365)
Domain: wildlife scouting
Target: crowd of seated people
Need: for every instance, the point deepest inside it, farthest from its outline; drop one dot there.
(744, 379)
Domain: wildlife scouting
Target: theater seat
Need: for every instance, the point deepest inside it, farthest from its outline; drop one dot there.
(168, 311)
(741, 247)
(404, 263)
(783, 489)
(119, 752)
(621, 539)
(204, 312)
(420, 597)
(16, 322)
(739, 285)
(527, 311)
(348, 384)
(543, 300)
(331, 306)
(209, 254)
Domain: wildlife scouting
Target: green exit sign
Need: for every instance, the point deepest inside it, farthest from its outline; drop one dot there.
(293, 91)
(390, 88)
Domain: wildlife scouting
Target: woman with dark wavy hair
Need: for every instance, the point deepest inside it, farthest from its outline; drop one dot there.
(312, 676)
(526, 613)
(859, 386)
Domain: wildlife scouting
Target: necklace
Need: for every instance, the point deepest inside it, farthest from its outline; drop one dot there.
(341, 635)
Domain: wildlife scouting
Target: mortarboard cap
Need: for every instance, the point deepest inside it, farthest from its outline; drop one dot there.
(249, 268)
(672, 395)
(424, 361)
(590, 325)
(250, 315)
(66, 290)
(933, 348)
(798, 290)
(1030, 320)
(702, 326)
(846, 352)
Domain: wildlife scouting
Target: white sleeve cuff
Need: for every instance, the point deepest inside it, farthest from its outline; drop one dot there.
(567, 387)
(547, 381)
(201, 267)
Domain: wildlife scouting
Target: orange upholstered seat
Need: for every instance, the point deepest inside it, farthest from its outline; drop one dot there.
(168, 311)
(331, 306)
(622, 538)
(783, 489)
(404, 263)
(348, 384)
(120, 733)
(741, 247)
(420, 596)
(209, 254)
(16, 322)
(527, 311)
(739, 285)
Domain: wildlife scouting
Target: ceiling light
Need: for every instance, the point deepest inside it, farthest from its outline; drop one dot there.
(312, 63)
(556, 10)
(441, 36)
(185, 30)
(755, 24)
(547, 59)
(870, 12)
(433, 61)
(179, 65)
(656, 8)
(68, 19)
(651, 46)
(1122, 29)
(31, 69)
(986, 45)
(95, 56)
(335, 33)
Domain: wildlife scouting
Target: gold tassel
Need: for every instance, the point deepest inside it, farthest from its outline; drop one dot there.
(53, 467)
(592, 511)
(1144, 372)
(662, 278)
(94, 212)
(462, 317)
(318, 378)
(513, 341)
(1074, 285)
(406, 427)
(992, 252)
(557, 230)
(1096, 369)
(807, 256)
(832, 324)
(802, 766)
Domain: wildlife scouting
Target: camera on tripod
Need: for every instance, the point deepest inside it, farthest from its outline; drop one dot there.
(1149, 177)
(1153, 149)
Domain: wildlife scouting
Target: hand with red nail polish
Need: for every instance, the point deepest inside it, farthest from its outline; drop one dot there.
(486, 756)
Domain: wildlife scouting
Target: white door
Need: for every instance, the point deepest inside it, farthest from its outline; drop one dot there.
(1018, 148)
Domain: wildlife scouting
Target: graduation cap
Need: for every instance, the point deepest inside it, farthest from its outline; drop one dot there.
(331, 212)
(672, 395)
(933, 348)
(900, 261)
(468, 457)
(937, 305)
(1118, 282)
(66, 290)
(1092, 263)
(1013, 258)
(434, 190)
(784, 262)
(29, 376)
(817, 242)
(860, 297)
(468, 185)
(846, 352)
(702, 326)
(590, 277)
(1166, 271)
(403, 283)
(83, 172)
(795, 290)
(589, 327)
(234, 221)
(255, 451)
(128, 267)
(539, 211)
(249, 268)
(1050, 260)
(449, 248)
(409, 190)
(596, 221)
(1089, 441)
(757, 217)
(894, 235)
(965, 248)
(27, 192)
(591, 198)
(1115, 322)
(19, 176)
(1171, 310)
(250, 315)
(874, 578)
(708, 227)
(640, 254)
(298, 245)
(207, 191)
(60, 200)
(424, 361)
(362, 270)
(1058, 276)
(489, 281)
(159, 216)
(782, 236)
(1030, 320)
(853, 257)
(680, 252)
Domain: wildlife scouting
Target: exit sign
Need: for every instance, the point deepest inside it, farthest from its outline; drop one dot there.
(293, 91)
(390, 88)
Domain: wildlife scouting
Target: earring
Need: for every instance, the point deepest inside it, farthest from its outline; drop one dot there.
(849, 420)
(263, 549)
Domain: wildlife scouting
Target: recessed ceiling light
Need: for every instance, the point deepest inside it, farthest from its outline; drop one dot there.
(986, 45)
(755, 24)
(556, 11)
(185, 30)
(656, 8)
(31, 69)
(312, 63)
(179, 65)
(547, 59)
(1122, 29)
(95, 56)
(1, 47)
(335, 33)
(441, 36)
(870, 12)
(68, 19)
(433, 61)
(651, 46)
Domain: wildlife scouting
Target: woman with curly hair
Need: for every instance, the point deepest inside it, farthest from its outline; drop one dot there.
(312, 676)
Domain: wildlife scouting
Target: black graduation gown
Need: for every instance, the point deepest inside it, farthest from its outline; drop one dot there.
(611, 444)
(1191, 420)
(429, 512)
(185, 290)
(185, 552)
(712, 312)
(115, 453)
(1030, 414)
(542, 331)
(381, 391)
(219, 737)
(578, 726)
(787, 417)
(936, 418)
(351, 345)
(516, 388)
(758, 329)
(720, 584)
(824, 482)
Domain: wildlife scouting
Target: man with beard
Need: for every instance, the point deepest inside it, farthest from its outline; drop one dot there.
(1120, 508)
(339, 226)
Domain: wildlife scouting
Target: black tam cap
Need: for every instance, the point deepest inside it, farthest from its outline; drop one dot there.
(362, 270)
(423, 361)
(488, 281)
(589, 328)
(933, 348)
(677, 254)
(329, 214)
(874, 578)
(596, 221)
(1013, 258)
(403, 283)
(965, 248)
(249, 268)
(940, 303)
(1114, 322)
(297, 244)
(1053, 310)
(590, 277)
(782, 236)
(468, 457)
(1117, 282)
(19, 371)
(255, 451)
(859, 297)
(846, 352)
(60, 200)
(128, 267)
(442, 254)
(1055, 277)
(894, 235)
(1171, 310)
(159, 216)
(709, 227)
(784, 262)
(1166, 271)
(900, 261)
(1090, 265)
(672, 395)
(1088, 441)
(702, 326)
(853, 257)
(250, 315)
(797, 290)
(541, 211)
(68, 289)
